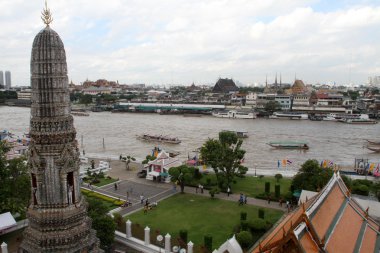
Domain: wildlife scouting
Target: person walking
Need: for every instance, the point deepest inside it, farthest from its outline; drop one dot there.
(201, 186)
(115, 186)
(245, 199)
(228, 191)
(241, 200)
(142, 199)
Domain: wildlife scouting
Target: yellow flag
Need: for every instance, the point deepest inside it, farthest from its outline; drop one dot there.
(284, 162)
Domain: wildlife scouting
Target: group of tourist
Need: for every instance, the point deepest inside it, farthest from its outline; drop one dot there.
(242, 199)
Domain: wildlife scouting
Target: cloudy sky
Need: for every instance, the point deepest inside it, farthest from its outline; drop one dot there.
(185, 41)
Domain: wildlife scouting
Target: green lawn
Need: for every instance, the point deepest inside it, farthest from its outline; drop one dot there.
(104, 181)
(200, 216)
(253, 186)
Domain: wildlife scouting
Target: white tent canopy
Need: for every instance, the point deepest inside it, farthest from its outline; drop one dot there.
(6, 221)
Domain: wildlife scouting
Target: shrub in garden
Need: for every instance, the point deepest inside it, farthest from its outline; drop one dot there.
(244, 238)
(213, 191)
(243, 215)
(261, 213)
(208, 242)
(277, 190)
(243, 225)
(267, 187)
(256, 225)
(183, 235)
(118, 219)
(360, 189)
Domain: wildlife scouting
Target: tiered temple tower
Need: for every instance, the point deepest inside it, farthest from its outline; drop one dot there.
(58, 220)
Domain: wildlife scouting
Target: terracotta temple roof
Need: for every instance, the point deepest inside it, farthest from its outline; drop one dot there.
(330, 222)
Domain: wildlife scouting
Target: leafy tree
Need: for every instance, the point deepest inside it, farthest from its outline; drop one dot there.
(128, 160)
(103, 224)
(182, 174)
(105, 231)
(75, 96)
(15, 187)
(85, 99)
(148, 158)
(272, 106)
(224, 156)
(8, 94)
(278, 177)
(311, 177)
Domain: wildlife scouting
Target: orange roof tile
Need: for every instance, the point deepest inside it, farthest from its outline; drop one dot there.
(326, 212)
(369, 239)
(308, 244)
(345, 234)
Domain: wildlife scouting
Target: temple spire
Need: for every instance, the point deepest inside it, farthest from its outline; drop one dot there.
(46, 15)
(275, 81)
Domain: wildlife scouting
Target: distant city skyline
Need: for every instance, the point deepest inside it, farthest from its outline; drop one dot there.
(181, 42)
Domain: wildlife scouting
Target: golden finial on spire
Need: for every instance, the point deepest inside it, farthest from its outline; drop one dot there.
(46, 15)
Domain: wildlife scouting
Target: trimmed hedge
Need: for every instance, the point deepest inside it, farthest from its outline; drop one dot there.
(257, 225)
(101, 196)
(244, 238)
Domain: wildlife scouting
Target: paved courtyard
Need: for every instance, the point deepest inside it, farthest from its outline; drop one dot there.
(132, 190)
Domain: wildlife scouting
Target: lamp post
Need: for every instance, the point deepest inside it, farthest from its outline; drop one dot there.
(159, 241)
(177, 249)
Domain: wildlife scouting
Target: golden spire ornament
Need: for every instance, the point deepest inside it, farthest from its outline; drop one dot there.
(46, 15)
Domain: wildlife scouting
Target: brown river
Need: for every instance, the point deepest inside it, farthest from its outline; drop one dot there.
(334, 141)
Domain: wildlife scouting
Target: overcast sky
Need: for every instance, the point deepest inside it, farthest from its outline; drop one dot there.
(185, 41)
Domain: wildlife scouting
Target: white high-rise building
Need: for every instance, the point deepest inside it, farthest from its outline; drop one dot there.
(1, 80)
(374, 80)
(8, 82)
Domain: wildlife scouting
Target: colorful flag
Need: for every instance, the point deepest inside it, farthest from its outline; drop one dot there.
(371, 167)
(289, 162)
(283, 162)
(376, 172)
(331, 163)
(324, 164)
(278, 164)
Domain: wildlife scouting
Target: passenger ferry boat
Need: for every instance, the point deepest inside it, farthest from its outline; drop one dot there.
(159, 138)
(347, 118)
(288, 115)
(235, 114)
(289, 144)
(357, 119)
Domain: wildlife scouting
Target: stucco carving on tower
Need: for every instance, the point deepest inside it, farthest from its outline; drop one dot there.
(58, 220)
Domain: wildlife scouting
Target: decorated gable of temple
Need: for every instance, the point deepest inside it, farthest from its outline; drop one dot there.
(329, 222)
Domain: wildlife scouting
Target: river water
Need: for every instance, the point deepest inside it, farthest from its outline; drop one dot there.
(338, 142)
